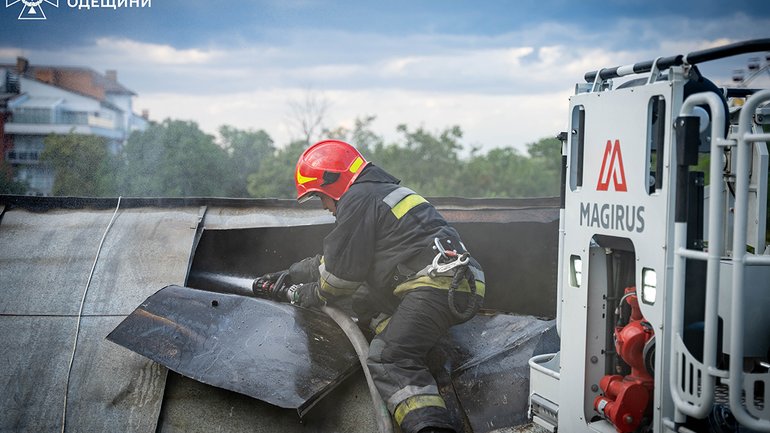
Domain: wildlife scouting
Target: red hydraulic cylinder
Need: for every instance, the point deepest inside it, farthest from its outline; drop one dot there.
(626, 398)
(624, 402)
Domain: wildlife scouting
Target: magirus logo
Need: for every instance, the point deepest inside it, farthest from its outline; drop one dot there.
(32, 9)
(614, 171)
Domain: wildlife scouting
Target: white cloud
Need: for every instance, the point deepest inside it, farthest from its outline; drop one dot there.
(10, 53)
(155, 54)
(503, 90)
(487, 120)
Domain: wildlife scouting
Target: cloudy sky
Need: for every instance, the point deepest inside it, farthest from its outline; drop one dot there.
(502, 70)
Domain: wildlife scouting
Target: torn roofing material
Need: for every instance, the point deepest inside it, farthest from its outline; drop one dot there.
(46, 259)
(278, 353)
(49, 244)
(489, 366)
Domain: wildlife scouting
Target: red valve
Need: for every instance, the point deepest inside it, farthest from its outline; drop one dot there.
(627, 398)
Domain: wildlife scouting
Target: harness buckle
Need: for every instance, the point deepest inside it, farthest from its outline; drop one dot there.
(437, 268)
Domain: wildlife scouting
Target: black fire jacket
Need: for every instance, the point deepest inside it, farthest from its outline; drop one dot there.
(384, 236)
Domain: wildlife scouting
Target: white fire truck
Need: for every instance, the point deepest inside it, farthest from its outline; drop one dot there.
(664, 270)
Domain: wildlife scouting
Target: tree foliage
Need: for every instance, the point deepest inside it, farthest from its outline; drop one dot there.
(7, 184)
(246, 151)
(174, 158)
(434, 163)
(275, 178)
(361, 135)
(82, 164)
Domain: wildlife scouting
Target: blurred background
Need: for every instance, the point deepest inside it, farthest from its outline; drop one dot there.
(196, 98)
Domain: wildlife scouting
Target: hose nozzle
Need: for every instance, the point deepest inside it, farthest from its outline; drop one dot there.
(279, 289)
(269, 286)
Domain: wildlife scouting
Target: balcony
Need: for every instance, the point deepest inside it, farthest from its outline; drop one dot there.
(91, 127)
(37, 120)
(22, 157)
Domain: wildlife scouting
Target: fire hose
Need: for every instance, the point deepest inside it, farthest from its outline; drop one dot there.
(357, 339)
(281, 291)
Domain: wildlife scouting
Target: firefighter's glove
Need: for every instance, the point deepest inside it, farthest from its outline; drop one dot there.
(306, 295)
(306, 270)
(271, 277)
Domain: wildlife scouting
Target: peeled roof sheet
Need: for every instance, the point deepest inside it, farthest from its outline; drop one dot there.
(287, 356)
(47, 248)
(45, 262)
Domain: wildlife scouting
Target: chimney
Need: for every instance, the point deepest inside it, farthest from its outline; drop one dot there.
(22, 64)
(146, 114)
(111, 75)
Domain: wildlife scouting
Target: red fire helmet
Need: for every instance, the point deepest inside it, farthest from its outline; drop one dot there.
(327, 167)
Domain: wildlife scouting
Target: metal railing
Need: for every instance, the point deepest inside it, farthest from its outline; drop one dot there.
(692, 383)
(743, 386)
(29, 156)
(54, 117)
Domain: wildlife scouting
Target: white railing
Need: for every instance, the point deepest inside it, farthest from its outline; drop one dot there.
(692, 382)
(742, 385)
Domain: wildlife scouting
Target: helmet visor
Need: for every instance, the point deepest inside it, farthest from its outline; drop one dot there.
(309, 196)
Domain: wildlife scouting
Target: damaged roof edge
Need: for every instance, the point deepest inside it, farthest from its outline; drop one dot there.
(47, 249)
(33, 203)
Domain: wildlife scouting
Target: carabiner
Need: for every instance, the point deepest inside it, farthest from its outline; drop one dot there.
(436, 268)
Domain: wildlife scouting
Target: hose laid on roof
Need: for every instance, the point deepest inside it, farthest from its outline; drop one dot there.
(80, 315)
(384, 421)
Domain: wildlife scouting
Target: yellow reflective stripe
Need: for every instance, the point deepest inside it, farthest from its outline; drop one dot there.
(438, 283)
(381, 326)
(407, 204)
(397, 195)
(329, 289)
(336, 281)
(303, 179)
(334, 285)
(356, 164)
(417, 402)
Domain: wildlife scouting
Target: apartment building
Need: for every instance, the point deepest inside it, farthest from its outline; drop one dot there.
(36, 101)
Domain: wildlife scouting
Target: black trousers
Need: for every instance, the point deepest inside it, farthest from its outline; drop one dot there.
(397, 358)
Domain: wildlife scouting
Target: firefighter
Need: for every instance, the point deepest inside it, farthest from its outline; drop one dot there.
(387, 250)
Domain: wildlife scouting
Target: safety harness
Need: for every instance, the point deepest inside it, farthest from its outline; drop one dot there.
(447, 260)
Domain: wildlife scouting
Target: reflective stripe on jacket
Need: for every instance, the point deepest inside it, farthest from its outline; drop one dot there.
(382, 229)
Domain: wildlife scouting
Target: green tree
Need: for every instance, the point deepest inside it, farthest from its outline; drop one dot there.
(430, 163)
(545, 159)
(246, 151)
(361, 135)
(7, 184)
(494, 174)
(174, 159)
(275, 177)
(505, 172)
(81, 163)
(425, 162)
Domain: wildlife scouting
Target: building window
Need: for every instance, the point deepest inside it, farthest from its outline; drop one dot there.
(33, 115)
